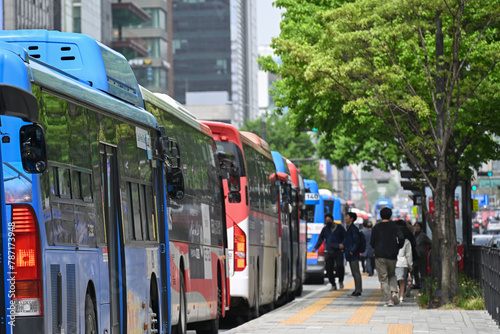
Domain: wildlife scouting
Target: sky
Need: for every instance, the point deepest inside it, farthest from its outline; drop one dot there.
(268, 21)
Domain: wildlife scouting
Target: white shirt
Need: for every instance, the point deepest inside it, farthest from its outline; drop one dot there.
(405, 257)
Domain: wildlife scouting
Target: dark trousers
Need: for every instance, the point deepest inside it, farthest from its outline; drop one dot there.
(370, 264)
(334, 265)
(354, 265)
(420, 270)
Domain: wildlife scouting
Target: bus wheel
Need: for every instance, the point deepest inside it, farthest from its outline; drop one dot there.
(300, 288)
(213, 325)
(90, 319)
(181, 327)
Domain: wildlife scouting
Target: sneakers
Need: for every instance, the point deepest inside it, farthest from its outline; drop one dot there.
(400, 299)
(333, 288)
(341, 285)
(389, 303)
(408, 292)
(395, 297)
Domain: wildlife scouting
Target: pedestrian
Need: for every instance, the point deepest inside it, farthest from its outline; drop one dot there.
(387, 239)
(408, 234)
(403, 267)
(351, 246)
(333, 235)
(369, 252)
(420, 267)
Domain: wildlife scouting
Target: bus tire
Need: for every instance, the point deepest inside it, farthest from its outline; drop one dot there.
(300, 289)
(181, 327)
(90, 317)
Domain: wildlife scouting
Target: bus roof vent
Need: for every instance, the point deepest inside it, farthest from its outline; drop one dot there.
(81, 57)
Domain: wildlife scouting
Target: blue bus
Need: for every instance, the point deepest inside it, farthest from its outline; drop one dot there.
(382, 203)
(89, 248)
(335, 206)
(315, 219)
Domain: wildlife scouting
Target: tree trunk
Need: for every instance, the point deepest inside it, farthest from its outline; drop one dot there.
(444, 205)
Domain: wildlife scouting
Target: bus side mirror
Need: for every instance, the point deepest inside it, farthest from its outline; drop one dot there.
(172, 159)
(170, 151)
(289, 192)
(175, 183)
(232, 173)
(33, 148)
(234, 185)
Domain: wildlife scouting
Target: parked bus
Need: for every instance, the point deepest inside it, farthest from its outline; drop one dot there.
(252, 223)
(298, 226)
(289, 245)
(315, 218)
(197, 222)
(380, 204)
(89, 247)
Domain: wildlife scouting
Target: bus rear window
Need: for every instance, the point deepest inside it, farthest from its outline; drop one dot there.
(18, 185)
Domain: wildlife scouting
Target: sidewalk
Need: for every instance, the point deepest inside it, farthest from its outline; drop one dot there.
(325, 311)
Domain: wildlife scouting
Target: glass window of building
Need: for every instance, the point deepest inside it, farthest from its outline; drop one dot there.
(158, 20)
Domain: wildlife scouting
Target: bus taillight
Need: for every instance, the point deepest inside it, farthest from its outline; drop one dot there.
(25, 262)
(240, 249)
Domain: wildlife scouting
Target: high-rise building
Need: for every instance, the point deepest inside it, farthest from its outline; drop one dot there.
(91, 17)
(215, 52)
(38, 14)
(143, 32)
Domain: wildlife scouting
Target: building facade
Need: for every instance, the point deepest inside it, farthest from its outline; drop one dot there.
(142, 31)
(90, 17)
(215, 53)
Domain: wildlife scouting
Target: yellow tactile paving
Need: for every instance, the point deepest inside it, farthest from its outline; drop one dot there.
(311, 310)
(400, 329)
(363, 314)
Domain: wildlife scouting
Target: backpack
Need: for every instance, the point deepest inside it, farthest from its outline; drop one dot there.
(362, 242)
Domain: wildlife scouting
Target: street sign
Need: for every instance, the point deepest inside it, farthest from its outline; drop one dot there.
(475, 205)
(488, 183)
(483, 200)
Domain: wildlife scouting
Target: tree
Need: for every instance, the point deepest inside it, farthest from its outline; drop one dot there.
(294, 145)
(391, 82)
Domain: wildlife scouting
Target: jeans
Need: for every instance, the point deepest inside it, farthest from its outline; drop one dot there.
(370, 264)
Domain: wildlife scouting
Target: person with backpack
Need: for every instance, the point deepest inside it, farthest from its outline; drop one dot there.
(369, 253)
(353, 245)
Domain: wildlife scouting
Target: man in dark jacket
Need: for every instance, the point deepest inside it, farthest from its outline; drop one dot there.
(333, 235)
(351, 246)
(368, 254)
(387, 239)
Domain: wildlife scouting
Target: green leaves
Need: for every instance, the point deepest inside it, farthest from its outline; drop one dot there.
(368, 74)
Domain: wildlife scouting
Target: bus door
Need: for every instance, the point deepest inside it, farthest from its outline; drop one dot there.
(114, 235)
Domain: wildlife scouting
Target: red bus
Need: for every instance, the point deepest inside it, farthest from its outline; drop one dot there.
(299, 228)
(252, 224)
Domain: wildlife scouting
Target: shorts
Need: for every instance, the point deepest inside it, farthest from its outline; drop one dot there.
(401, 273)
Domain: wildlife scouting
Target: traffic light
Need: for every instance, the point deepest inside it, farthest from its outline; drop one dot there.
(474, 187)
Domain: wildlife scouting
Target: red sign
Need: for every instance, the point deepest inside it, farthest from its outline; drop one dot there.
(431, 208)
